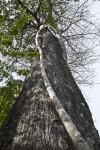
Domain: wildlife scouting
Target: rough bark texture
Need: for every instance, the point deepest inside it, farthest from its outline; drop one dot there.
(33, 123)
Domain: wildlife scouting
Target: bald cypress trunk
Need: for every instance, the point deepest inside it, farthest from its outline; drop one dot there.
(33, 123)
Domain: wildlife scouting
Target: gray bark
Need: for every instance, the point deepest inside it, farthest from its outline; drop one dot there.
(33, 123)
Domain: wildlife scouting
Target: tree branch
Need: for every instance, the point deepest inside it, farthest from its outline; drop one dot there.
(34, 14)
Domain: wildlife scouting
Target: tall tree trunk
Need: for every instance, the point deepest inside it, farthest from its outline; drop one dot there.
(33, 123)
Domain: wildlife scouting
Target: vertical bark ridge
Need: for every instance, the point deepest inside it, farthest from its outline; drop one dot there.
(59, 79)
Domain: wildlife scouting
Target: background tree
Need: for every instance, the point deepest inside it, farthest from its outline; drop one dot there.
(20, 22)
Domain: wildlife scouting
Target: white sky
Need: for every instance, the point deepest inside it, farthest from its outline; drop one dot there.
(92, 95)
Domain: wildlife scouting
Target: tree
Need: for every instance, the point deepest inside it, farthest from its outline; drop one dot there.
(33, 122)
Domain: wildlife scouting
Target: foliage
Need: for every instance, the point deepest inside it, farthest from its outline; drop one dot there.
(9, 34)
(8, 95)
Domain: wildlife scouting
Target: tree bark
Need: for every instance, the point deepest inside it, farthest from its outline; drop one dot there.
(33, 123)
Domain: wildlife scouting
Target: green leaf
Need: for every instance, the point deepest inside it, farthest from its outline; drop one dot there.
(23, 72)
(52, 22)
(8, 95)
(1, 17)
(7, 41)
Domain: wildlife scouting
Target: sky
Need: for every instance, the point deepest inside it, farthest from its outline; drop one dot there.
(92, 94)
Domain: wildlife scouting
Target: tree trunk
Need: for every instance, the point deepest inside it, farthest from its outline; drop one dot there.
(33, 123)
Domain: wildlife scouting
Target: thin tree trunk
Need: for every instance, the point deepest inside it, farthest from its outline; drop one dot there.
(33, 123)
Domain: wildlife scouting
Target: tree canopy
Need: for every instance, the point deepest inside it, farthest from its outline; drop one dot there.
(19, 22)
